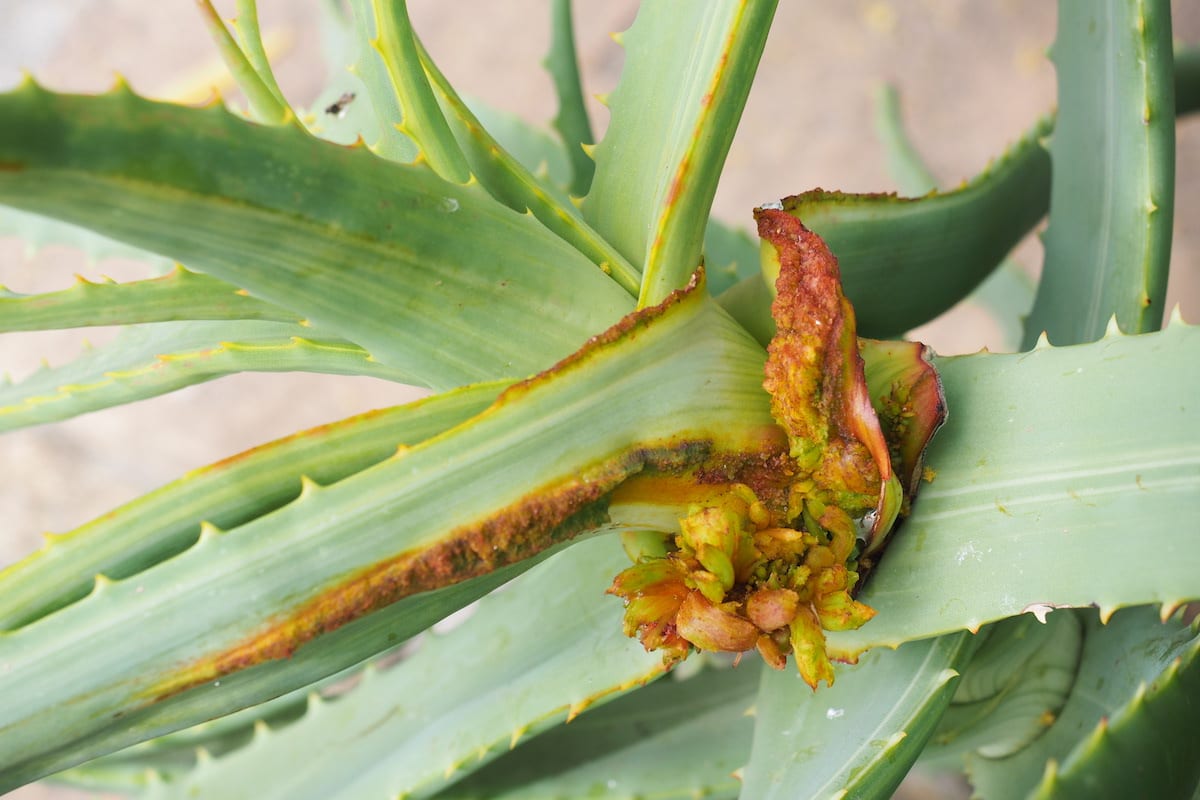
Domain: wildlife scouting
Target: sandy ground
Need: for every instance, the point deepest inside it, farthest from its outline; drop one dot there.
(972, 75)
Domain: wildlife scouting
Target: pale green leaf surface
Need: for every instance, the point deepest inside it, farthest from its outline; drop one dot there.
(674, 114)
(681, 384)
(857, 738)
(1112, 202)
(378, 123)
(512, 183)
(571, 121)
(1007, 294)
(249, 36)
(730, 256)
(672, 740)
(421, 118)
(1133, 650)
(1037, 487)
(532, 147)
(159, 357)
(904, 261)
(179, 295)
(231, 492)
(1012, 691)
(265, 104)
(409, 729)
(387, 255)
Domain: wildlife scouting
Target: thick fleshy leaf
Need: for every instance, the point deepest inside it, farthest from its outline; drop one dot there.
(816, 380)
(1007, 294)
(904, 261)
(410, 729)
(387, 255)
(1013, 690)
(180, 295)
(1127, 729)
(674, 740)
(668, 387)
(674, 114)
(907, 394)
(572, 121)
(1112, 203)
(1019, 470)
(421, 118)
(513, 184)
(150, 360)
(858, 738)
(226, 494)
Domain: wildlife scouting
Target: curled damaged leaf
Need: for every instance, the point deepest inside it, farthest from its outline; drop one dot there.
(817, 383)
(776, 566)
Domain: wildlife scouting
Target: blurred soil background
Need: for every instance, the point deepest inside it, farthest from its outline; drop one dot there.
(972, 76)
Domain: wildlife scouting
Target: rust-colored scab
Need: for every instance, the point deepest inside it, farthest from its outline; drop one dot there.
(11, 166)
(538, 521)
(814, 373)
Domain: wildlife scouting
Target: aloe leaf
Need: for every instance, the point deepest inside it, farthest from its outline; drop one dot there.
(674, 114)
(513, 184)
(904, 261)
(1187, 79)
(571, 121)
(535, 149)
(1013, 690)
(380, 125)
(859, 737)
(422, 119)
(672, 740)
(1137, 680)
(226, 494)
(1016, 471)
(410, 729)
(1155, 730)
(267, 106)
(344, 110)
(245, 27)
(667, 388)
(1112, 203)
(1007, 294)
(156, 358)
(730, 256)
(905, 164)
(387, 255)
(179, 295)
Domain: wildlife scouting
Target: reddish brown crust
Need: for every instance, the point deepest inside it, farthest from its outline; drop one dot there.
(813, 373)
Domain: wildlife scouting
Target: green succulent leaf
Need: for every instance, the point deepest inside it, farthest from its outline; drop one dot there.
(156, 358)
(387, 255)
(1018, 471)
(261, 92)
(179, 295)
(859, 737)
(1007, 294)
(226, 494)
(422, 119)
(1013, 690)
(674, 114)
(674, 740)
(1128, 727)
(37, 231)
(410, 729)
(1112, 203)
(528, 473)
(379, 123)
(572, 122)
(904, 261)
(513, 184)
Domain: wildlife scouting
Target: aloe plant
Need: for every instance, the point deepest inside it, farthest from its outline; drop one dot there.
(635, 463)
